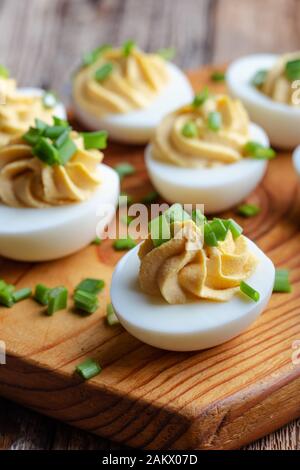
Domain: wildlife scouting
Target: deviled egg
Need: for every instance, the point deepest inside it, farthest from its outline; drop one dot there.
(52, 184)
(269, 87)
(195, 287)
(127, 91)
(208, 153)
(21, 106)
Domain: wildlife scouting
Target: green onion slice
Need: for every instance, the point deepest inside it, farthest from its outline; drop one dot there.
(128, 47)
(6, 297)
(219, 228)
(189, 130)
(282, 283)
(201, 97)
(111, 316)
(175, 213)
(234, 227)
(217, 76)
(103, 72)
(248, 210)
(66, 151)
(259, 78)
(86, 301)
(90, 57)
(249, 291)
(292, 70)
(124, 244)
(57, 299)
(4, 73)
(256, 150)
(22, 294)
(214, 121)
(124, 169)
(88, 369)
(210, 238)
(46, 152)
(97, 241)
(93, 286)
(41, 294)
(95, 140)
(198, 217)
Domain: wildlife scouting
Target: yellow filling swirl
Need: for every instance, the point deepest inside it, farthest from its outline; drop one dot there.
(176, 271)
(18, 111)
(25, 181)
(134, 82)
(207, 147)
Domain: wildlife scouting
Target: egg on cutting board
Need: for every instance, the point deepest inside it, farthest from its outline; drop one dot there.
(208, 153)
(191, 290)
(52, 186)
(127, 91)
(269, 87)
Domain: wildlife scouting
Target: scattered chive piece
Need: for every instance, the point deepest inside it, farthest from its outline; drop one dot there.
(95, 140)
(93, 286)
(189, 129)
(46, 152)
(282, 283)
(167, 53)
(249, 291)
(220, 230)
(6, 298)
(217, 76)
(234, 227)
(88, 369)
(214, 121)
(124, 244)
(175, 213)
(127, 219)
(49, 99)
(97, 241)
(4, 73)
(198, 217)
(41, 294)
(128, 47)
(256, 150)
(57, 299)
(201, 97)
(90, 57)
(150, 197)
(292, 70)
(259, 78)
(103, 72)
(111, 317)
(21, 294)
(54, 132)
(210, 238)
(248, 210)
(124, 169)
(2, 284)
(60, 122)
(86, 301)
(66, 151)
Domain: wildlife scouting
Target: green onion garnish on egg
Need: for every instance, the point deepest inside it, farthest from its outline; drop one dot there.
(214, 121)
(256, 150)
(201, 97)
(249, 291)
(103, 72)
(292, 70)
(128, 47)
(95, 140)
(282, 283)
(46, 152)
(88, 369)
(189, 130)
(234, 227)
(210, 238)
(219, 228)
(90, 57)
(259, 78)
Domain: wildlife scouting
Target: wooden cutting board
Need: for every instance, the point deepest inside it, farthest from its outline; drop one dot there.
(221, 398)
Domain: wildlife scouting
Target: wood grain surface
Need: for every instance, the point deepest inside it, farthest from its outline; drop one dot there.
(41, 42)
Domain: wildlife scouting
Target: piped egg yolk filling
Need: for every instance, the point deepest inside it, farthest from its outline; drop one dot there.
(182, 267)
(18, 111)
(120, 83)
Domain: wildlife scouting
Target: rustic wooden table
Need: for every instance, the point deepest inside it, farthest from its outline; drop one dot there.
(42, 40)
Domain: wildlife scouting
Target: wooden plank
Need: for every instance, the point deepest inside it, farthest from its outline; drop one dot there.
(220, 398)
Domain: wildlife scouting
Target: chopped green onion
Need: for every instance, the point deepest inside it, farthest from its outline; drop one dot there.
(32, 136)
(292, 70)
(21, 294)
(41, 294)
(6, 297)
(256, 150)
(210, 238)
(159, 229)
(124, 244)
(2, 284)
(198, 217)
(189, 130)
(248, 210)
(282, 283)
(259, 78)
(214, 121)
(150, 197)
(201, 97)
(97, 241)
(86, 301)
(167, 53)
(66, 151)
(54, 132)
(103, 72)
(46, 152)
(219, 228)
(128, 47)
(49, 100)
(93, 286)
(57, 299)
(249, 291)
(62, 137)
(4, 73)
(124, 169)
(90, 57)
(88, 369)
(175, 213)
(111, 316)
(95, 140)
(234, 227)
(217, 76)
(60, 122)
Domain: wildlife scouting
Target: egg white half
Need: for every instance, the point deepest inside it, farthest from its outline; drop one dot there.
(217, 188)
(280, 121)
(44, 234)
(59, 109)
(296, 160)
(137, 127)
(197, 325)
